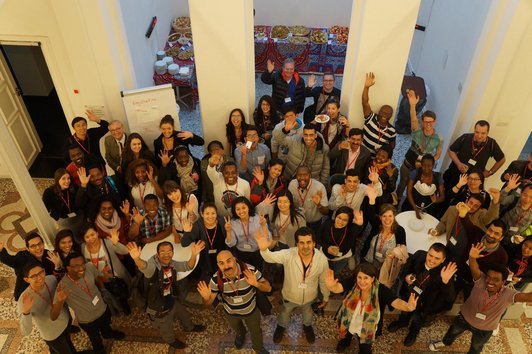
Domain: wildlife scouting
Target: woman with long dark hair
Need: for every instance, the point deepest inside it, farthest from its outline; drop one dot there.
(135, 149)
(267, 181)
(64, 244)
(285, 219)
(235, 130)
(266, 117)
(180, 206)
(141, 178)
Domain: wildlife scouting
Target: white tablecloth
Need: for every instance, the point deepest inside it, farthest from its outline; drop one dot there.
(180, 254)
(419, 240)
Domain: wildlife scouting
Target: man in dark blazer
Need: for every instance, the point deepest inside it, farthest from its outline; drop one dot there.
(351, 154)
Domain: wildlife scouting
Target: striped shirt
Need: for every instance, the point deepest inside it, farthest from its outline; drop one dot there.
(374, 135)
(238, 296)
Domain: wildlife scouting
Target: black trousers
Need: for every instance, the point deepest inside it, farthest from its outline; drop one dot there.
(101, 325)
(62, 344)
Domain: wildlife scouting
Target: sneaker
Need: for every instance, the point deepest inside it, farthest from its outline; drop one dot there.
(116, 334)
(309, 334)
(239, 340)
(177, 344)
(436, 346)
(351, 263)
(395, 326)
(278, 334)
(410, 339)
(496, 330)
(197, 328)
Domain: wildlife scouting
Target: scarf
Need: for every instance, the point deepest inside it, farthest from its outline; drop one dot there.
(185, 176)
(371, 313)
(108, 226)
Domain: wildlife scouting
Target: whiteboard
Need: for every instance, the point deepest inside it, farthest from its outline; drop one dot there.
(146, 106)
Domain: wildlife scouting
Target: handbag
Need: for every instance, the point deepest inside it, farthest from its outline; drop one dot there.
(115, 285)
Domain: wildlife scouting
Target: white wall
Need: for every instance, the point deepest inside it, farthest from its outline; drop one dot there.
(442, 54)
(137, 16)
(311, 13)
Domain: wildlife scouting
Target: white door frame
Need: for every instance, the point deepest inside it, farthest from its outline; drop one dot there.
(11, 156)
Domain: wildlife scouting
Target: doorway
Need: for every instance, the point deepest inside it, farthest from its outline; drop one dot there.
(35, 87)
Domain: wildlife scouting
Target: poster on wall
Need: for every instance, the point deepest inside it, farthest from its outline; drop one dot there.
(145, 107)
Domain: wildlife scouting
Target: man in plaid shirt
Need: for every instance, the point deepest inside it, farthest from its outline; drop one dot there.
(151, 223)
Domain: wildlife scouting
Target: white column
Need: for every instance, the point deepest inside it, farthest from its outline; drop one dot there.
(380, 35)
(225, 63)
(498, 87)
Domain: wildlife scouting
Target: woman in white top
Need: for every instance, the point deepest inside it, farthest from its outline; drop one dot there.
(180, 206)
(140, 177)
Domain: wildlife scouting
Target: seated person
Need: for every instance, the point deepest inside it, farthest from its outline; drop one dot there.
(185, 169)
(335, 130)
(150, 224)
(252, 154)
(235, 130)
(518, 218)
(388, 174)
(215, 147)
(351, 154)
(267, 181)
(352, 192)
(520, 263)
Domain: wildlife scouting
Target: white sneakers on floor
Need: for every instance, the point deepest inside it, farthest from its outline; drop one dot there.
(436, 346)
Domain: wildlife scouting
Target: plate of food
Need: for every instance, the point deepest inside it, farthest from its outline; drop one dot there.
(318, 36)
(173, 38)
(279, 32)
(298, 40)
(299, 30)
(322, 118)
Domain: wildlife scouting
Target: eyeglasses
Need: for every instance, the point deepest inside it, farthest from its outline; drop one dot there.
(37, 275)
(328, 80)
(36, 245)
(252, 135)
(473, 179)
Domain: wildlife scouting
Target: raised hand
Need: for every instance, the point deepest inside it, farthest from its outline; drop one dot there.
(462, 181)
(413, 99)
(412, 302)
(358, 217)
(344, 145)
(270, 66)
(390, 170)
(373, 175)
(204, 290)
(134, 250)
(289, 125)
(137, 216)
(165, 157)
(262, 239)
(316, 198)
(448, 271)
(150, 173)
(191, 206)
(475, 250)
(83, 177)
(27, 302)
(250, 278)
(92, 117)
(187, 225)
(185, 135)
(371, 192)
(270, 199)
(228, 226)
(370, 80)
(258, 173)
(262, 219)
(330, 281)
(312, 80)
(113, 236)
(125, 208)
(495, 195)
(513, 182)
(198, 247)
(243, 149)
(60, 293)
(215, 160)
(55, 259)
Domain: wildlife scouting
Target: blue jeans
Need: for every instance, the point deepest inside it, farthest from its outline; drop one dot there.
(288, 307)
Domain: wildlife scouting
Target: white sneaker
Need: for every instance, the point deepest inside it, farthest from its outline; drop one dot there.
(351, 263)
(496, 330)
(436, 346)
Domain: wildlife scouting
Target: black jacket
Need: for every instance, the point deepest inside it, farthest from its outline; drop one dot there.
(158, 146)
(280, 89)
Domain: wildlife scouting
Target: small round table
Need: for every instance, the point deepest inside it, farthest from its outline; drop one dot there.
(180, 254)
(419, 240)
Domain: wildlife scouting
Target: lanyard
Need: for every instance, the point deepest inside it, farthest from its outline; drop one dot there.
(229, 194)
(67, 201)
(423, 141)
(456, 229)
(307, 268)
(230, 283)
(141, 190)
(424, 280)
(86, 149)
(479, 150)
(282, 225)
(494, 298)
(245, 233)
(382, 241)
(343, 237)
(523, 265)
(379, 132)
(178, 213)
(167, 274)
(152, 230)
(211, 240)
(352, 162)
(85, 289)
(43, 299)
(302, 198)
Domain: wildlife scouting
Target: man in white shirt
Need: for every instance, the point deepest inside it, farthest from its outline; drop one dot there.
(309, 195)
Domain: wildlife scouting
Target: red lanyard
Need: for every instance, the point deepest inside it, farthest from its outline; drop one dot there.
(85, 289)
(343, 237)
(283, 225)
(167, 274)
(88, 149)
(423, 141)
(152, 230)
(424, 280)
(456, 229)
(211, 240)
(67, 201)
(302, 198)
(523, 265)
(521, 216)
(179, 215)
(245, 233)
(303, 267)
(141, 191)
(352, 162)
(494, 298)
(229, 282)
(381, 134)
(43, 299)
(479, 150)
(229, 194)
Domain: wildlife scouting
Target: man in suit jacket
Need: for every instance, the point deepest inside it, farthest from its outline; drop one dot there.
(351, 154)
(114, 145)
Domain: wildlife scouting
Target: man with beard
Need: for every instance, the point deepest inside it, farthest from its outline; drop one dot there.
(96, 185)
(304, 271)
(351, 154)
(481, 313)
(78, 160)
(236, 284)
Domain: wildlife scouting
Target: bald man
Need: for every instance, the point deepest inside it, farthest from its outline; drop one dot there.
(237, 283)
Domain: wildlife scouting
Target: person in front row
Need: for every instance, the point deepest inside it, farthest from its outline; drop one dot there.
(304, 272)
(483, 310)
(237, 283)
(163, 306)
(80, 289)
(425, 276)
(362, 308)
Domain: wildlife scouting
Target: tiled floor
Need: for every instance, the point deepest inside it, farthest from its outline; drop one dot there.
(515, 336)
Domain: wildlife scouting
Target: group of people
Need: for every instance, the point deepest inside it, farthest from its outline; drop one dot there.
(290, 199)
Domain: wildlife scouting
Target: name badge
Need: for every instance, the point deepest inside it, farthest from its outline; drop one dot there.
(247, 246)
(472, 162)
(212, 251)
(95, 300)
(452, 240)
(510, 277)
(260, 159)
(302, 285)
(287, 100)
(514, 229)
(339, 254)
(418, 290)
(518, 190)
(480, 316)
(72, 215)
(238, 299)
(378, 254)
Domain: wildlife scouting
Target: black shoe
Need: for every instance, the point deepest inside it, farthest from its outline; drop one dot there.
(239, 340)
(410, 339)
(74, 329)
(177, 344)
(395, 326)
(197, 328)
(116, 335)
(342, 345)
(309, 334)
(278, 334)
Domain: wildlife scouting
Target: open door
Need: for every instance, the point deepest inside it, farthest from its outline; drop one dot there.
(15, 116)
